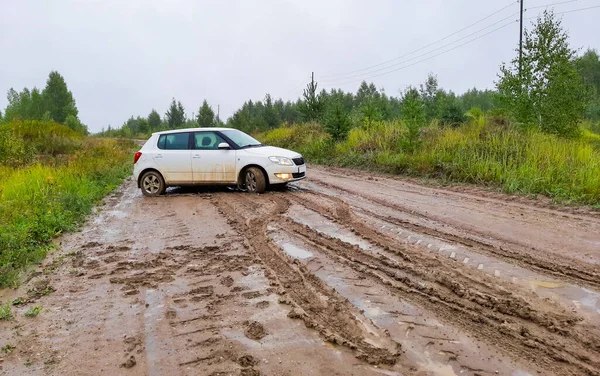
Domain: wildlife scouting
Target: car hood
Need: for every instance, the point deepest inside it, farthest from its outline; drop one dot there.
(271, 151)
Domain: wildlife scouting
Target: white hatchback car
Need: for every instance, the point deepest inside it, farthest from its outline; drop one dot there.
(213, 156)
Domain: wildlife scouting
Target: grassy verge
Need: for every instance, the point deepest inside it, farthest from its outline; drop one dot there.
(50, 178)
(568, 170)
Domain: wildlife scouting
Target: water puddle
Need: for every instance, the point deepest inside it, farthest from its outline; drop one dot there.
(290, 248)
(324, 226)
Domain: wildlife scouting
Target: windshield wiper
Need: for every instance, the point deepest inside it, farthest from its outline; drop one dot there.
(252, 146)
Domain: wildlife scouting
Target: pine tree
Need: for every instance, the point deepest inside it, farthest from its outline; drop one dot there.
(337, 122)
(413, 115)
(206, 115)
(312, 106)
(175, 115)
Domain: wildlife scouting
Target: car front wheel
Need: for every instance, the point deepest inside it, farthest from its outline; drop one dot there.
(152, 184)
(255, 180)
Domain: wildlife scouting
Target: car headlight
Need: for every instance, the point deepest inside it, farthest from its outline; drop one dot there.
(282, 161)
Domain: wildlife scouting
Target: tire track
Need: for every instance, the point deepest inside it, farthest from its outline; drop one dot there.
(315, 304)
(567, 269)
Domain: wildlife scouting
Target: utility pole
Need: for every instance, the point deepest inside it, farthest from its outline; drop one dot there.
(521, 38)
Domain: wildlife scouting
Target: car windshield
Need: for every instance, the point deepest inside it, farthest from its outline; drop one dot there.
(241, 139)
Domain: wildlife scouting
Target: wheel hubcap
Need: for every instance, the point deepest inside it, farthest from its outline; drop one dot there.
(151, 184)
(250, 181)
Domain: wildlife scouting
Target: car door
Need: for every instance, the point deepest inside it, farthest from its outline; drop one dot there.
(174, 158)
(209, 163)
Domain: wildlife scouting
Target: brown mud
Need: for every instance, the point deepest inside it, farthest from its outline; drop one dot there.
(343, 274)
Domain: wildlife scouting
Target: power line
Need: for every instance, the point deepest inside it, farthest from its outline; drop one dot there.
(421, 55)
(295, 87)
(552, 4)
(429, 58)
(422, 48)
(570, 11)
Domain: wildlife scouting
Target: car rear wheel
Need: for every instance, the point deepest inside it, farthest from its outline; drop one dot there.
(255, 180)
(152, 184)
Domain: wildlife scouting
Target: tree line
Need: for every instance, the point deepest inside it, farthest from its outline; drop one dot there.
(54, 103)
(551, 88)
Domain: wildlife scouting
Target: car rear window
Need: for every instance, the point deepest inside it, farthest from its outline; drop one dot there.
(174, 141)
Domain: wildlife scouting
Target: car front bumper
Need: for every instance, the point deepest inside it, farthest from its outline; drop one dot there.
(285, 174)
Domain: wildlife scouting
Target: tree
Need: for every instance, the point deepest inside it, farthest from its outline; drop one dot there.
(337, 122)
(370, 112)
(588, 66)
(73, 122)
(58, 100)
(271, 115)
(451, 111)
(547, 92)
(175, 115)
(143, 126)
(413, 115)
(206, 115)
(154, 121)
(37, 108)
(312, 106)
(430, 95)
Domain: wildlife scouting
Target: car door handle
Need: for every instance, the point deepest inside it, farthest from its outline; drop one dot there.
(158, 156)
(196, 155)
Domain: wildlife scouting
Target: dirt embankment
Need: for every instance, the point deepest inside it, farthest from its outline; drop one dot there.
(341, 274)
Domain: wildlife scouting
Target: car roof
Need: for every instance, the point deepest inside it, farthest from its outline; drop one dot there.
(193, 130)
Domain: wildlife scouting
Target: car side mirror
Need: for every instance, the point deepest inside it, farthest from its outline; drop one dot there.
(224, 146)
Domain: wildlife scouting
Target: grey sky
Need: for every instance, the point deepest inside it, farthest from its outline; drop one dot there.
(123, 58)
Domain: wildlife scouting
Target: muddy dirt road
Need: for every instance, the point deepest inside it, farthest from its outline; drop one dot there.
(343, 274)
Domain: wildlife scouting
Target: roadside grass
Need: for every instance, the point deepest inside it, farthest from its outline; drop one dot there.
(521, 162)
(6, 312)
(8, 348)
(48, 185)
(33, 311)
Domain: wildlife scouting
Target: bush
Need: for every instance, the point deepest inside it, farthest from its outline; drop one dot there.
(309, 139)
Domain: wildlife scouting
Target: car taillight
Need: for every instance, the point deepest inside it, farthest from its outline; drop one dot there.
(136, 157)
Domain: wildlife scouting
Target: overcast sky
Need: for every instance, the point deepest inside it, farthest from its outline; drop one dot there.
(123, 58)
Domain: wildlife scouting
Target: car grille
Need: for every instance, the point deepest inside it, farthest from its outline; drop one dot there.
(297, 175)
(298, 161)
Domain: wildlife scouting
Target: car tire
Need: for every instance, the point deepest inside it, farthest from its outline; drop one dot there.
(255, 180)
(152, 184)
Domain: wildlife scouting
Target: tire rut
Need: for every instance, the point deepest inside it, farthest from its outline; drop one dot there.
(314, 303)
(493, 313)
(567, 269)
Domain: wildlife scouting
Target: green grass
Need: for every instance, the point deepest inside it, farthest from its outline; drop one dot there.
(6, 312)
(33, 311)
(567, 170)
(8, 348)
(49, 186)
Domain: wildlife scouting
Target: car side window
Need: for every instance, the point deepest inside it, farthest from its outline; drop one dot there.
(174, 141)
(207, 141)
